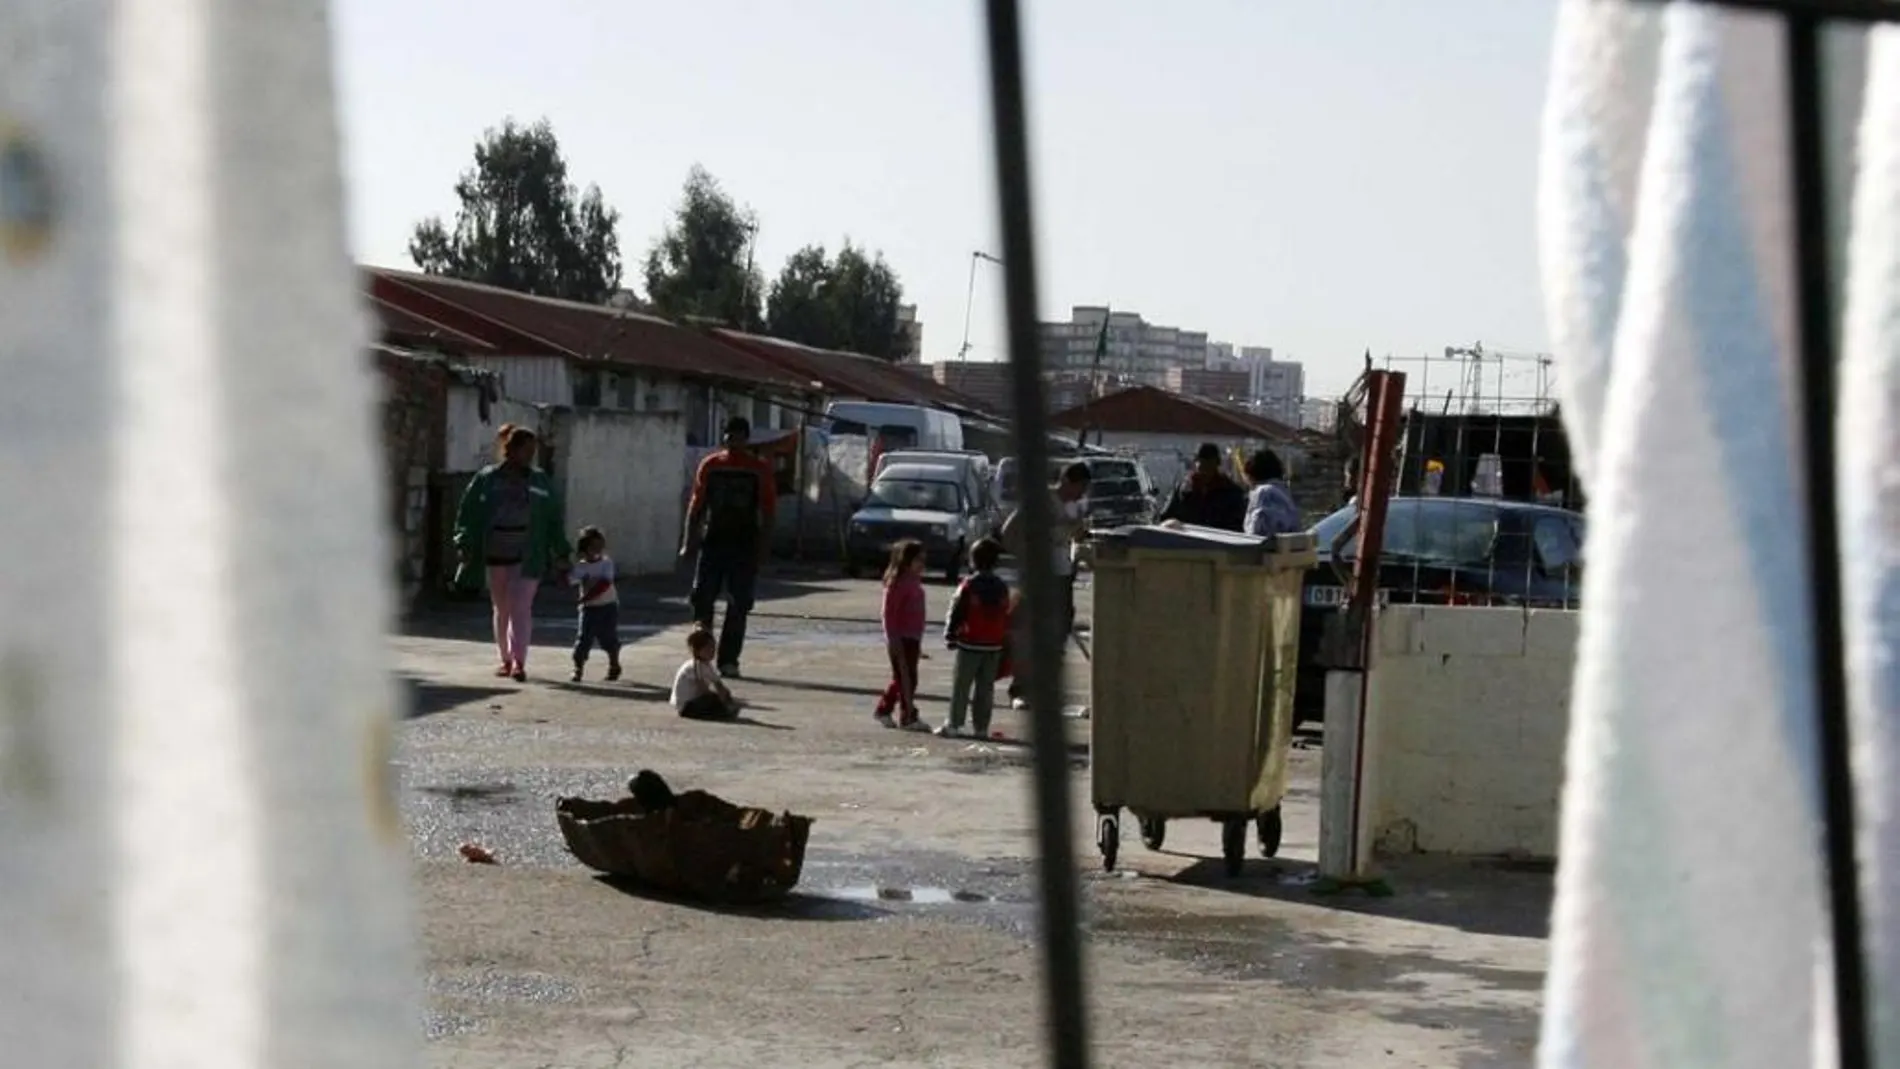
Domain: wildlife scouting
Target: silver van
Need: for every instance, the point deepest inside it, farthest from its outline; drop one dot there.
(934, 504)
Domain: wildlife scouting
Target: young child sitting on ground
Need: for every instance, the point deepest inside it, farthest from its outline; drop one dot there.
(593, 576)
(698, 692)
(978, 629)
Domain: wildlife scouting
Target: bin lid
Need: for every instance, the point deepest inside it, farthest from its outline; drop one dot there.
(1242, 548)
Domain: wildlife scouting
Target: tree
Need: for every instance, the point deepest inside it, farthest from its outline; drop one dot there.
(849, 302)
(522, 225)
(701, 265)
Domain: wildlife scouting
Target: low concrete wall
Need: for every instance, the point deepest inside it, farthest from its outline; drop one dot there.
(1466, 719)
(620, 471)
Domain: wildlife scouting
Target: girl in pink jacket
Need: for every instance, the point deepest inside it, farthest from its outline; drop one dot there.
(903, 615)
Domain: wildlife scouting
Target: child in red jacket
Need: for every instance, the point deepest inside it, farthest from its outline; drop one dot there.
(978, 629)
(1007, 670)
(903, 615)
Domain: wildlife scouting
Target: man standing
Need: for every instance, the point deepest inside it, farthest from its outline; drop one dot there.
(729, 524)
(1071, 523)
(1207, 497)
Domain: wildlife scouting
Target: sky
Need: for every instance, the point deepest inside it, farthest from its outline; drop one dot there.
(1325, 177)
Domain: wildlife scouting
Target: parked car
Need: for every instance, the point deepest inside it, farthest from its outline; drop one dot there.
(1120, 492)
(973, 469)
(1441, 551)
(926, 502)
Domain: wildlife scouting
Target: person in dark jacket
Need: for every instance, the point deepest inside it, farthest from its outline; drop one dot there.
(978, 629)
(729, 527)
(1207, 497)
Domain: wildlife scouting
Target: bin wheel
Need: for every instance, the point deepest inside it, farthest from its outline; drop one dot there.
(1108, 836)
(1270, 828)
(1154, 832)
(1233, 844)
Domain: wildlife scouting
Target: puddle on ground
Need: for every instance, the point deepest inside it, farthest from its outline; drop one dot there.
(1260, 948)
(920, 896)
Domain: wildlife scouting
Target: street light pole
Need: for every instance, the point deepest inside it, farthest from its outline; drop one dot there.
(969, 300)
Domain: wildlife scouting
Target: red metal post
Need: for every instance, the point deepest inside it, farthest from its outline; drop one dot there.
(1385, 415)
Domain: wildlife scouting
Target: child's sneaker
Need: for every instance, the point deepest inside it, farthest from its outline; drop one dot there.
(949, 731)
(1019, 704)
(576, 677)
(521, 674)
(915, 724)
(884, 720)
(613, 672)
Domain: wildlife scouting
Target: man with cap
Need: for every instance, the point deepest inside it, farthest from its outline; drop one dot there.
(729, 526)
(1207, 497)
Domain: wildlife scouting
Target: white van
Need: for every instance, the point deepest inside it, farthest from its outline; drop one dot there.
(931, 503)
(901, 426)
(973, 467)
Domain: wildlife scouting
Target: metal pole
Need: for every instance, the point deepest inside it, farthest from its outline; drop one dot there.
(969, 302)
(1815, 311)
(740, 322)
(1064, 985)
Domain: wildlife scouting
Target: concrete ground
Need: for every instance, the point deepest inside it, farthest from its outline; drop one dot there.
(912, 940)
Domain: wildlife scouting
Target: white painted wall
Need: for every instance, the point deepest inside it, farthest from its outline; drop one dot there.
(621, 472)
(469, 443)
(1466, 718)
(540, 380)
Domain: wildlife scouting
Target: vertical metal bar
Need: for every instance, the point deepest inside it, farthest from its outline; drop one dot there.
(1064, 990)
(969, 304)
(1385, 407)
(1815, 312)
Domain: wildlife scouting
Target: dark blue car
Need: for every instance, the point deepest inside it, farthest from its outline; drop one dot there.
(1442, 551)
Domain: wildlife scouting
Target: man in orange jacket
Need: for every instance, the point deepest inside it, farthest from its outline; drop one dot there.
(729, 526)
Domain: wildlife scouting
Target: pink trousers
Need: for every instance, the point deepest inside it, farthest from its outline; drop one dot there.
(513, 599)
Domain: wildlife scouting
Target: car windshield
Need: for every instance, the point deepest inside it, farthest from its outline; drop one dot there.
(1113, 479)
(894, 436)
(1447, 531)
(925, 494)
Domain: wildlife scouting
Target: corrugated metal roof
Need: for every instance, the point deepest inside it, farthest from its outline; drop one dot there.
(1145, 409)
(519, 324)
(852, 375)
(401, 325)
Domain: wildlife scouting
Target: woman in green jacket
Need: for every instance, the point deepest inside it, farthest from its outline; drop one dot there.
(510, 532)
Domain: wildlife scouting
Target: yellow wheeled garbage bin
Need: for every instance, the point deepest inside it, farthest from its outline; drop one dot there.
(1195, 647)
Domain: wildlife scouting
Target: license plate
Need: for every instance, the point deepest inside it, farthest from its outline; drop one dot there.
(1327, 597)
